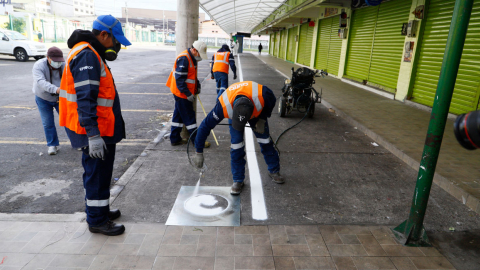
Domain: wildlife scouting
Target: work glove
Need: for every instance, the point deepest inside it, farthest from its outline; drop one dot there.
(96, 147)
(191, 98)
(213, 78)
(260, 126)
(199, 89)
(234, 76)
(198, 160)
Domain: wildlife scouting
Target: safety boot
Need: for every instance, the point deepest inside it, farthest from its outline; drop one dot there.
(236, 188)
(52, 150)
(277, 178)
(114, 214)
(110, 228)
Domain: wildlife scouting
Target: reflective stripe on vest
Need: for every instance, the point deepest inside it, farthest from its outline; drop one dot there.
(255, 99)
(73, 98)
(249, 89)
(191, 77)
(220, 62)
(227, 104)
(224, 60)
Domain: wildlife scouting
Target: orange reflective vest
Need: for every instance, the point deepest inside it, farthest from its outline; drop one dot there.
(251, 90)
(191, 77)
(220, 62)
(68, 96)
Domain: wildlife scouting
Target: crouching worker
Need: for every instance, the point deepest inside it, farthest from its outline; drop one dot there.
(90, 110)
(241, 103)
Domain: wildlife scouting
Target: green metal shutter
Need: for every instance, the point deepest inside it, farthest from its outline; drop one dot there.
(437, 25)
(292, 33)
(308, 45)
(335, 47)
(302, 44)
(389, 43)
(283, 44)
(360, 42)
(270, 45)
(275, 49)
(323, 43)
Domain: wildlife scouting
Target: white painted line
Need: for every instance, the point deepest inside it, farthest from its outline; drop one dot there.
(259, 209)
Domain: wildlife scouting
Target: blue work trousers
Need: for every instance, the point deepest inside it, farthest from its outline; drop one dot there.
(96, 181)
(48, 120)
(183, 115)
(237, 151)
(222, 82)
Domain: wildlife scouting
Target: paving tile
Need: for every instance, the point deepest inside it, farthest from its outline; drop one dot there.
(243, 250)
(10, 235)
(133, 262)
(225, 230)
(349, 239)
(23, 237)
(63, 248)
(291, 250)
(207, 250)
(279, 239)
(254, 263)
(276, 229)
(403, 263)
(94, 244)
(200, 230)
(189, 239)
(37, 242)
(102, 262)
(135, 238)
(302, 229)
(430, 252)
(68, 260)
(226, 239)
(367, 263)
(150, 245)
(225, 250)
(119, 249)
(148, 228)
(402, 251)
(173, 230)
(297, 240)
(45, 226)
(284, 263)
(431, 263)
(80, 236)
(224, 263)
(344, 263)
(346, 250)
(194, 263)
(262, 250)
(15, 259)
(177, 250)
(245, 239)
(207, 239)
(251, 230)
(39, 261)
(330, 235)
(314, 239)
(261, 240)
(353, 229)
(171, 239)
(12, 246)
(164, 263)
(367, 240)
(314, 263)
(15, 226)
(319, 250)
(374, 250)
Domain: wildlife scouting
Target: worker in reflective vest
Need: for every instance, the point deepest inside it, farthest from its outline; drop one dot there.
(184, 85)
(90, 111)
(221, 61)
(242, 103)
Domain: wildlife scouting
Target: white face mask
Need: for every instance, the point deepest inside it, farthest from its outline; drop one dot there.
(56, 65)
(198, 58)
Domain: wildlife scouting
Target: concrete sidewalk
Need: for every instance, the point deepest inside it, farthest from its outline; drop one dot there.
(402, 130)
(69, 245)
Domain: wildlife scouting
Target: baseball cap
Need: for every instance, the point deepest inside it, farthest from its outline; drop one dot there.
(242, 111)
(201, 47)
(107, 23)
(55, 54)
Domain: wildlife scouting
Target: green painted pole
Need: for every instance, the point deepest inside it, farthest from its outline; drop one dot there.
(412, 232)
(11, 22)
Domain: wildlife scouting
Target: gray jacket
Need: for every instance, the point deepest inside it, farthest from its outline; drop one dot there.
(42, 87)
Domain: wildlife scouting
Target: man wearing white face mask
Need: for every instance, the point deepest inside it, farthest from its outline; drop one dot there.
(47, 75)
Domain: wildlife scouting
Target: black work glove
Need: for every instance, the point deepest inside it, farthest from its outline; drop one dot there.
(234, 76)
(199, 89)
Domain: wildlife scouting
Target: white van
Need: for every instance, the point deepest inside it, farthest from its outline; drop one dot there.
(16, 44)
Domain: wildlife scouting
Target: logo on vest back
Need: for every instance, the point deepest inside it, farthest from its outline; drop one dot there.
(235, 87)
(241, 117)
(85, 67)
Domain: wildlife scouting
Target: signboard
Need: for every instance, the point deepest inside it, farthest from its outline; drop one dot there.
(330, 12)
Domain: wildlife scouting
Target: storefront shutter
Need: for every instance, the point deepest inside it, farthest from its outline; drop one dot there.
(283, 44)
(277, 43)
(323, 43)
(430, 58)
(360, 42)
(292, 33)
(270, 45)
(302, 44)
(388, 43)
(335, 47)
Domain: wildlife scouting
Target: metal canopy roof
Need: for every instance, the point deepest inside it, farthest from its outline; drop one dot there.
(239, 15)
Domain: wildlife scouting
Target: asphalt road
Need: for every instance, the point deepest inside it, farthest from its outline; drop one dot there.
(31, 181)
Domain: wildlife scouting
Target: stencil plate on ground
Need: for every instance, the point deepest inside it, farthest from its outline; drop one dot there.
(210, 206)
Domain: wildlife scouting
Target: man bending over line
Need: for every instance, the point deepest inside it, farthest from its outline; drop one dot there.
(241, 103)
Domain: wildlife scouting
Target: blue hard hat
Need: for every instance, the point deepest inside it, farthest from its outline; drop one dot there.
(112, 25)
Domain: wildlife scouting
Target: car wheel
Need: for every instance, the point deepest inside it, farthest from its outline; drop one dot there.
(282, 107)
(21, 55)
(38, 57)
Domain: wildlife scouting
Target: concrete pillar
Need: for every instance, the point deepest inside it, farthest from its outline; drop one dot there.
(187, 24)
(186, 33)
